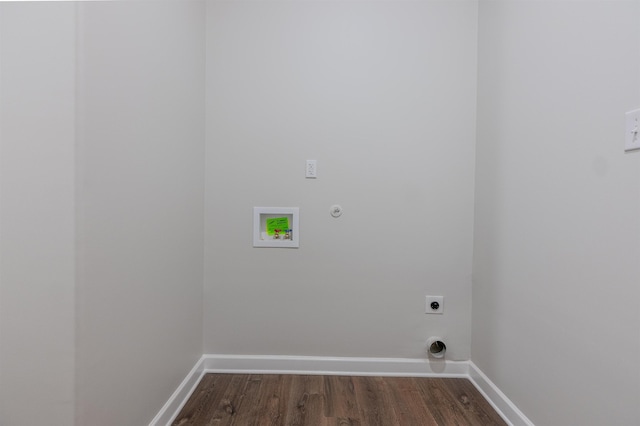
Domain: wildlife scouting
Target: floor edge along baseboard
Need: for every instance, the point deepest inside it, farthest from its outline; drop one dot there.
(285, 364)
(500, 402)
(177, 400)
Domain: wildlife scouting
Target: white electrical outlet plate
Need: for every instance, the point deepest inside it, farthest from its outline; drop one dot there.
(432, 302)
(312, 169)
(632, 130)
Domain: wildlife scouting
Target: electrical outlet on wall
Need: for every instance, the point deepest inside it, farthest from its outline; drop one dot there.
(434, 305)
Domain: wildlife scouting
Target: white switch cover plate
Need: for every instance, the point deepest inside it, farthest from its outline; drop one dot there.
(311, 169)
(632, 130)
(431, 299)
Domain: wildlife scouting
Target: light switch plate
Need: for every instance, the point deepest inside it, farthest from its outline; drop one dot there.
(311, 171)
(632, 130)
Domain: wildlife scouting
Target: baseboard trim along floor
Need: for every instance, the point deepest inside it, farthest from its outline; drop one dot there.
(503, 405)
(402, 367)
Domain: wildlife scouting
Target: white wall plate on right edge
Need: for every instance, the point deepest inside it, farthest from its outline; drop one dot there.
(632, 130)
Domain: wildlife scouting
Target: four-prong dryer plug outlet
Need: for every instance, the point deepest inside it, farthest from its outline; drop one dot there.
(434, 305)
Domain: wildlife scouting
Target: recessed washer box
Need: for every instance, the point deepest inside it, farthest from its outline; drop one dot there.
(276, 227)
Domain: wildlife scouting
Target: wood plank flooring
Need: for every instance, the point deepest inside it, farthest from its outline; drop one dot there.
(297, 400)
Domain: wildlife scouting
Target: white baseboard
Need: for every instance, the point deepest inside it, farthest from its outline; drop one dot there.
(399, 367)
(250, 364)
(175, 403)
(503, 405)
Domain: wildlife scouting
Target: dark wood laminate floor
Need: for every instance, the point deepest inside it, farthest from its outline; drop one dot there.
(240, 400)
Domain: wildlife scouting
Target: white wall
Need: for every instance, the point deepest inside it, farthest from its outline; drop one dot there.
(141, 178)
(556, 300)
(382, 95)
(102, 187)
(37, 212)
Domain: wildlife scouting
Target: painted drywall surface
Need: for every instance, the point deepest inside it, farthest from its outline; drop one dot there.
(556, 301)
(140, 179)
(37, 228)
(382, 95)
